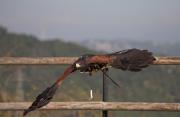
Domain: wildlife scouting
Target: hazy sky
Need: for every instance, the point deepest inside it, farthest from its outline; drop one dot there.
(86, 19)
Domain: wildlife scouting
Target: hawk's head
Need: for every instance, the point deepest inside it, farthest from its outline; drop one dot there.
(82, 63)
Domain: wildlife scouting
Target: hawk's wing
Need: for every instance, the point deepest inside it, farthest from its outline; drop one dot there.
(45, 97)
(132, 59)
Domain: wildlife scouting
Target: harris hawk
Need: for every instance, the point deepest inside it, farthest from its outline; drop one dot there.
(132, 60)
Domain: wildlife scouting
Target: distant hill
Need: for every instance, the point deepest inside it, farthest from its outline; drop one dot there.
(24, 83)
(170, 48)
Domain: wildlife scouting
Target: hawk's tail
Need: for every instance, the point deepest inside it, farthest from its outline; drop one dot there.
(132, 59)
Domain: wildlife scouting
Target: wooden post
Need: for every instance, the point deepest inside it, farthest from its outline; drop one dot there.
(105, 93)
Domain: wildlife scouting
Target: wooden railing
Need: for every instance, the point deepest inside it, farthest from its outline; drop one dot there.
(70, 60)
(130, 106)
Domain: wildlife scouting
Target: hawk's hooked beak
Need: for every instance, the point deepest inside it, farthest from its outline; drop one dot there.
(78, 65)
(75, 66)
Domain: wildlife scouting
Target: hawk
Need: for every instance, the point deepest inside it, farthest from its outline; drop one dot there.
(132, 60)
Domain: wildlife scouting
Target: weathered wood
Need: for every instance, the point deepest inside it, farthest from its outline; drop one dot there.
(70, 60)
(167, 61)
(36, 60)
(125, 106)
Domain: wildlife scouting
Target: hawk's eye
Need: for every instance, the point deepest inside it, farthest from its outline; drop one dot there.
(81, 57)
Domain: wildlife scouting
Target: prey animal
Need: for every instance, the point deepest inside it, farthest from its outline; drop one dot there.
(132, 60)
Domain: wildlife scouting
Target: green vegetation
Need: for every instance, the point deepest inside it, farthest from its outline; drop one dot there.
(24, 83)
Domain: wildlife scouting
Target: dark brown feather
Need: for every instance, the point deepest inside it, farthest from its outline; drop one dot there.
(132, 59)
(46, 96)
(42, 99)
